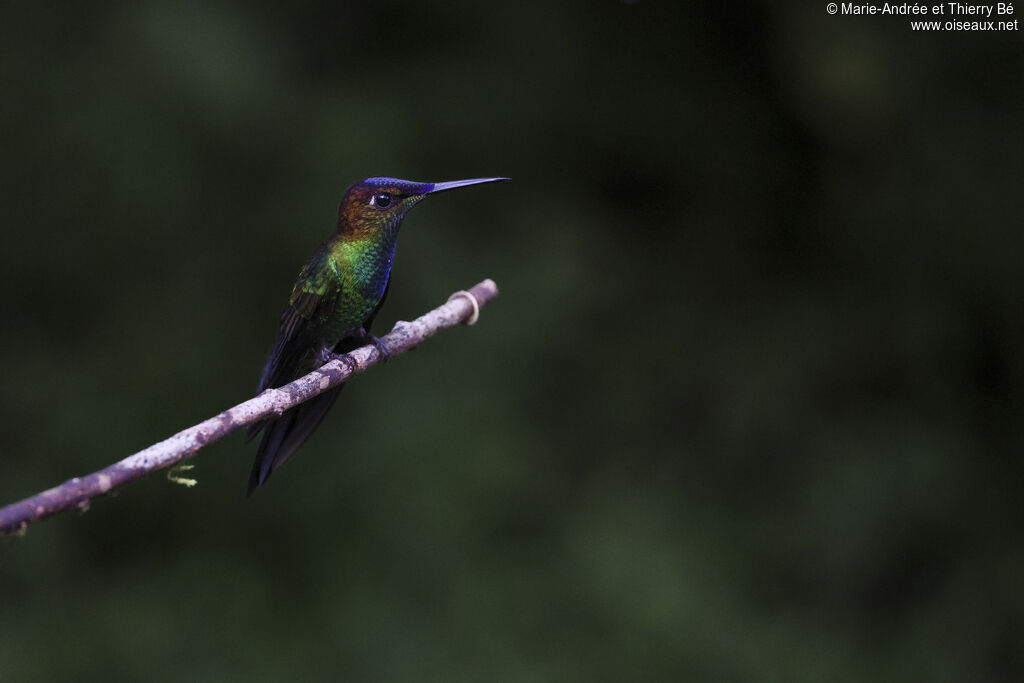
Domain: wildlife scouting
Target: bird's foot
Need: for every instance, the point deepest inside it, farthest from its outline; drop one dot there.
(326, 356)
(382, 348)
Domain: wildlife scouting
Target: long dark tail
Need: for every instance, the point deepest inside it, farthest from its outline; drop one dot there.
(283, 436)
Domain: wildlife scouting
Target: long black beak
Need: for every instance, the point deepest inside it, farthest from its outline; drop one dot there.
(452, 184)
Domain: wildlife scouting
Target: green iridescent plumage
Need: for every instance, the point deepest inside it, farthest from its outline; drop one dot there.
(333, 303)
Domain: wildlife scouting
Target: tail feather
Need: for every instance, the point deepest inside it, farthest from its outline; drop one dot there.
(254, 429)
(283, 436)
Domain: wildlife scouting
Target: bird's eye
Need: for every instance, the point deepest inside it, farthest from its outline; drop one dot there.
(381, 201)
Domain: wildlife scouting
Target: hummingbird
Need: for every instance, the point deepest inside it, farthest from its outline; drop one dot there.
(338, 294)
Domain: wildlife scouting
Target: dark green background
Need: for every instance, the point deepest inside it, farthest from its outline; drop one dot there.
(747, 408)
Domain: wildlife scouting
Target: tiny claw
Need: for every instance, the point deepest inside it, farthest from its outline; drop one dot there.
(326, 356)
(382, 349)
(346, 360)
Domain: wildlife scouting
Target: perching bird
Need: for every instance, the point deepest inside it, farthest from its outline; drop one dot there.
(337, 296)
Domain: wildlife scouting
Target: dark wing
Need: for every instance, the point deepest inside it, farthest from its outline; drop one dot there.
(294, 350)
(298, 334)
(296, 343)
(294, 354)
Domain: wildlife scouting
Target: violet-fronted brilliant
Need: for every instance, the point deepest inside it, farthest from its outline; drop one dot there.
(339, 292)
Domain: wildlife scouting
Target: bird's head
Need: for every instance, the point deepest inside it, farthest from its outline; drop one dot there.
(377, 205)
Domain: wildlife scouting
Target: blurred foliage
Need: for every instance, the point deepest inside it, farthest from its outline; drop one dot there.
(747, 409)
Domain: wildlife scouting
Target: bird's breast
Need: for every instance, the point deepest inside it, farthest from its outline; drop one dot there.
(361, 271)
(371, 268)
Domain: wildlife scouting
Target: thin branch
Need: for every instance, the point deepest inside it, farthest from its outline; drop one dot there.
(77, 492)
